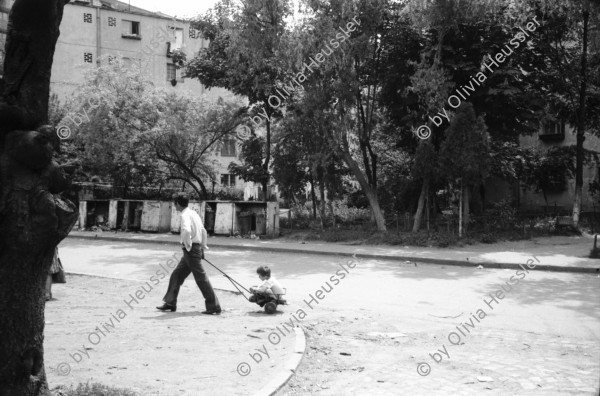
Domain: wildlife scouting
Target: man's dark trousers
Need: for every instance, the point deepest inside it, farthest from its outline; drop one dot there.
(191, 262)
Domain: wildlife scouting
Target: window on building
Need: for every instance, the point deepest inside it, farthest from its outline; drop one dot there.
(87, 18)
(131, 28)
(171, 72)
(176, 38)
(227, 180)
(87, 57)
(228, 149)
(553, 130)
(112, 21)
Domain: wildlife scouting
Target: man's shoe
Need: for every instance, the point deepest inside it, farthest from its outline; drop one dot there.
(167, 307)
(213, 312)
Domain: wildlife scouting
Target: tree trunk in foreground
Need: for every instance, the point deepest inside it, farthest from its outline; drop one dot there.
(460, 210)
(466, 208)
(265, 183)
(581, 122)
(367, 189)
(33, 220)
(322, 196)
(421, 205)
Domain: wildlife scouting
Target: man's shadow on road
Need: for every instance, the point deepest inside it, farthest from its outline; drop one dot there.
(176, 315)
(261, 313)
(173, 315)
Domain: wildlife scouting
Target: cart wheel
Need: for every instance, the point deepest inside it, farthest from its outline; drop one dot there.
(270, 307)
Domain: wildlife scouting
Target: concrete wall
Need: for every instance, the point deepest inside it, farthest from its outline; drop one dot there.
(156, 216)
(225, 218)
(199, 207)
(273, 219)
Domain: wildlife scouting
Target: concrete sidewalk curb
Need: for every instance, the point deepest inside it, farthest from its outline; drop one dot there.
(423, 260)
(290, 367)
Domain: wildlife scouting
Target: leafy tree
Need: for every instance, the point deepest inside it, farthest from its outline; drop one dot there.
(251, 168)
(110, 113)
(245, 57)
(138, 135)
(548, 171)
(464, 156)
(304, 131)
(562, 72)
(289, 161)
(189, 134)
(397, 190)
(347, 85)
(70, 154)
(456, 39)
(424, 169)
(411, 87)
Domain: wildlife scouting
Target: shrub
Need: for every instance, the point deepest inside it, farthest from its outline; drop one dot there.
(488, 237)
(445, 239)
(502, 215)
(302, 215)
(357, 199)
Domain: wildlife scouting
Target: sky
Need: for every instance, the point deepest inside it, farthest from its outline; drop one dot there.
(179, 8)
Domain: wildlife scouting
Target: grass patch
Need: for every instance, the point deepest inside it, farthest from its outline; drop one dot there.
(94, 389)
(366, 235)
(486, 230)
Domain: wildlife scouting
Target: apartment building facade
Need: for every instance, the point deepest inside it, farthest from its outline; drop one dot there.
(561, 134)
(95, 29)
(92, 29)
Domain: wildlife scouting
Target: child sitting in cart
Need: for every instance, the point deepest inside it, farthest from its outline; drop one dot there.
(269, 290)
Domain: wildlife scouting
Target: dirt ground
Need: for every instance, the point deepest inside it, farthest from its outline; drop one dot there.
(542, 341)
(365, 354)
(92, 334)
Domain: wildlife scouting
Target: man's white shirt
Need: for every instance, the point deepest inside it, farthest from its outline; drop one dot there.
(192, 229)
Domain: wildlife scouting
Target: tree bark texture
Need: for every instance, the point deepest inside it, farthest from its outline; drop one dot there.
(421, 205)
(266, 181)
(581, 121)
(322, 196)
(460, 210)
(467, 208)
(369, 192)
(33, 217)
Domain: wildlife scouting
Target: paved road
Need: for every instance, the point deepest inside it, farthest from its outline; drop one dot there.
(428, 301)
